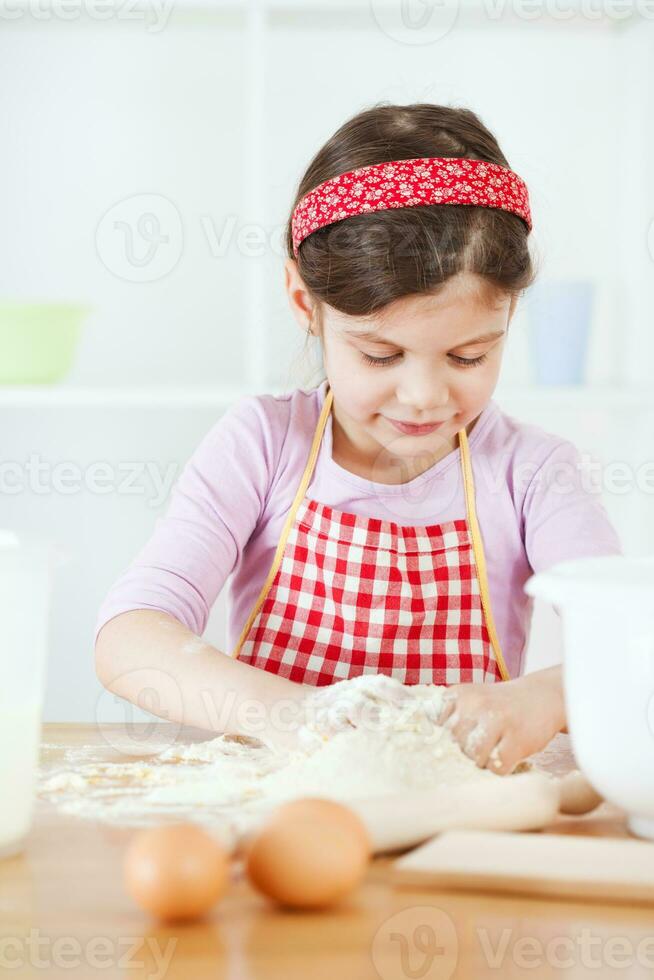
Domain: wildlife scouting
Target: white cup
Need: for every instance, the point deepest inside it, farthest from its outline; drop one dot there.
(607, 611)
(25, 584)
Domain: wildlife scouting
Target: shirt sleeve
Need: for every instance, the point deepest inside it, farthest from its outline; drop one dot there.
(563, 514)
(214, 508)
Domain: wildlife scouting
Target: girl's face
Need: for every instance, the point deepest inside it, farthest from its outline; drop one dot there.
(424, 359)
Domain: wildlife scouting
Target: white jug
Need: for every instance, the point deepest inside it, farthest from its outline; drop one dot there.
(25, 588)
(607, 610)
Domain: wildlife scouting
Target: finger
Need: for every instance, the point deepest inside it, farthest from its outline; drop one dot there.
(503, 757)
(460, 728)
(448, 706)
(446, 712)
(480, 742)
(484, 736)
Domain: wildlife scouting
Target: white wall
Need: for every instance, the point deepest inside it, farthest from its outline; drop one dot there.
(207, 126)
(145, 449)
(99, 114)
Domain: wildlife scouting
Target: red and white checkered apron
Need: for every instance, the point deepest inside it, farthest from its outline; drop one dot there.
(349, 595)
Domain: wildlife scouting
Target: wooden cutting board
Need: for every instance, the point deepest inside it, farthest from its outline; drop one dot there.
(606, 869)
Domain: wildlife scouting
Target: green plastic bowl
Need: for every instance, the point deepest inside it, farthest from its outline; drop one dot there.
(38, 340)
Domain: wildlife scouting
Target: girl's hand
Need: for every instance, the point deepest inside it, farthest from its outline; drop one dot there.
(499, 725)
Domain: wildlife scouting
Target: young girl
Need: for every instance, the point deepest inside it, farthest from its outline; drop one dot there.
(386, 520)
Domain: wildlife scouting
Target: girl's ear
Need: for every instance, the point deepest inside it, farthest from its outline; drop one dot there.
(298, 295)
(290, 268)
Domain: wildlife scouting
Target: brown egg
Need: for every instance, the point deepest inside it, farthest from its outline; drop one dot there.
(309, 853)
(175, 871)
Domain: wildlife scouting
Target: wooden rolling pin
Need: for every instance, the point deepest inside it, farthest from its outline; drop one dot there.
(524, 801)
(528, 801)
(577, 794)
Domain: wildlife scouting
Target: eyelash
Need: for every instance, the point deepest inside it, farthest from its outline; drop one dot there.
(463, 361)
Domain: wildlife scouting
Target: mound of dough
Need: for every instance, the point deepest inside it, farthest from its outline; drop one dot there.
(370, 736)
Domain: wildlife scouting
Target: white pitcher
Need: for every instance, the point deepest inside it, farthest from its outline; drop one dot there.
(607, 610)
(25, 588)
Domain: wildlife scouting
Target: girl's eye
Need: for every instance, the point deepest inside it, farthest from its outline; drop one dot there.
(463, 361)
(469, 361)
(379, 360)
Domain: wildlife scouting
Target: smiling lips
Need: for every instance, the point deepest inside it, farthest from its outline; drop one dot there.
(416, 430)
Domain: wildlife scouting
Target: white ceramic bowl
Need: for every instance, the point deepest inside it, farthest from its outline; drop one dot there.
(607, 610)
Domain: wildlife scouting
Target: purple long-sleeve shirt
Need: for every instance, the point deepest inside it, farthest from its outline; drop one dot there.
(536, 505)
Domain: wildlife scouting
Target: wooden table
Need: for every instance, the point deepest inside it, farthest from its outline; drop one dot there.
(66, 889)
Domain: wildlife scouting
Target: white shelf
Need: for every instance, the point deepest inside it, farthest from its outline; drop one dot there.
(583, 396)
(570, 396)
(64, 396)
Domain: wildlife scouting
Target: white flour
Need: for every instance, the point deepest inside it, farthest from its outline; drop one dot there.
(363, 737)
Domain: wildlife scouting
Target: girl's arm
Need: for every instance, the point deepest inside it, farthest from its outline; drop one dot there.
(152, 660)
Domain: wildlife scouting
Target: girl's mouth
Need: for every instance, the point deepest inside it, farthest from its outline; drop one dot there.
(415, 430)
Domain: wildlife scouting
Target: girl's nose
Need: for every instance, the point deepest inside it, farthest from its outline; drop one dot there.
(426, 395)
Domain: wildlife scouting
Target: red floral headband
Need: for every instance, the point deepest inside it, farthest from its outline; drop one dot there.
(406, 184)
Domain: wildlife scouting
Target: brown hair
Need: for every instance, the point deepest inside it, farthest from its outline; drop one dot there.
(363, 263)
